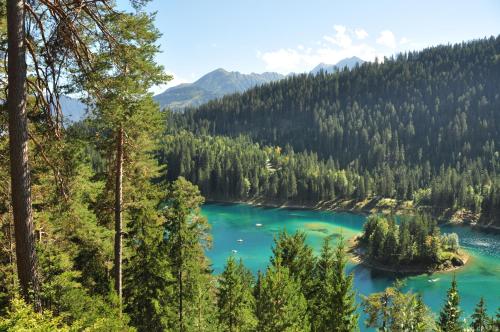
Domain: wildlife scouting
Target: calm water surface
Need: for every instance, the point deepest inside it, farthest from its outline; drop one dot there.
(230, 222)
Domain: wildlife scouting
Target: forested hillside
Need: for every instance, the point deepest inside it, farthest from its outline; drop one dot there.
(422, 120)
(97, 236)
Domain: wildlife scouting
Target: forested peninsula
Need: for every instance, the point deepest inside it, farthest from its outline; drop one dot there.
(414, 245)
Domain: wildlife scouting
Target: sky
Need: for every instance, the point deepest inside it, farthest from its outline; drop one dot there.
(285, 36)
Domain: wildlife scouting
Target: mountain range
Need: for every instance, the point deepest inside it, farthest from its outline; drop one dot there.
(213, 85)
(350, 63)
(221, 82)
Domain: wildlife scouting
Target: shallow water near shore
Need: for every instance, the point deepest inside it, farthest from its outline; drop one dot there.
(233, 222)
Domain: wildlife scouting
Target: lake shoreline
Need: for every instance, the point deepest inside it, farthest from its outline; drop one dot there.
(357, 256)
(367, 207)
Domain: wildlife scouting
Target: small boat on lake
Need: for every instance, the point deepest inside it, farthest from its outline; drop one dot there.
(258, 225)
(433, 280)
(234, 251)
(239, 240)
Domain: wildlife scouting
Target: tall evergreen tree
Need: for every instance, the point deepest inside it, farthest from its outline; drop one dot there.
(343, 316)
(294, 254)
(123, 107)
(18, 143)
(148, 280)
(422, 319)
(334, 305)
(187, 237)
(480, 320)
(47, 42)
(281, 306)
(319, 305)
(449, 317)
(496, 321)
(393, 310)
(235, 300)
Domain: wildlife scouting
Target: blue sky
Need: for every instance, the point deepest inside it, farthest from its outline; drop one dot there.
(289, 35)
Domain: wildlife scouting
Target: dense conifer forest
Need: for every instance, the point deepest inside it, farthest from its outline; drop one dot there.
(415, 243)
(421, 126)
(99, 230)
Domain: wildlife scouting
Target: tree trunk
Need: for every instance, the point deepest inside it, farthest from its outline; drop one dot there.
(18, 144)
(118, 213)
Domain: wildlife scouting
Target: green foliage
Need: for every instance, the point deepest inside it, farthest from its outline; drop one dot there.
(393, 310)
(480, 320)
(415, 240)
(496, 321)
(187, 236)
(235, 301)
(306, 139)
(450, 242)
(227, 168)
(431, 128)
(334, 304)
(449, 317)
(281, 306)
(292, 252)
(7, 268)
(147, 275)
(21, 317)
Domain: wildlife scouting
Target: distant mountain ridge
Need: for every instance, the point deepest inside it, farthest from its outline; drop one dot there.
(350, 63)
(221, 82)
(211, 86)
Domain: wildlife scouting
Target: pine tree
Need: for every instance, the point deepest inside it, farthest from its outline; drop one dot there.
(234, 299)
(322, 286)
(19, 166)
(148, 280)
(480, 320)
(393, 310)
(377, 308)
(391, 244)
(126, 117)
(281, 305)
(343, 316)
(334, 306)
(297, 256)
(422, 319)
(496, 321)
(186, 233)
(257, 291)
(449, 318)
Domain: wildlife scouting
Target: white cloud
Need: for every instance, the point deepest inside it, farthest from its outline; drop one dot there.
(288, 60)
(387, 39)
(331, 49)
(283, 60)
(361, 33)
(341, 37)
(343, 43)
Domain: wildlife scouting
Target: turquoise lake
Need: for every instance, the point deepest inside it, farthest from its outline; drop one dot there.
(230, 222)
